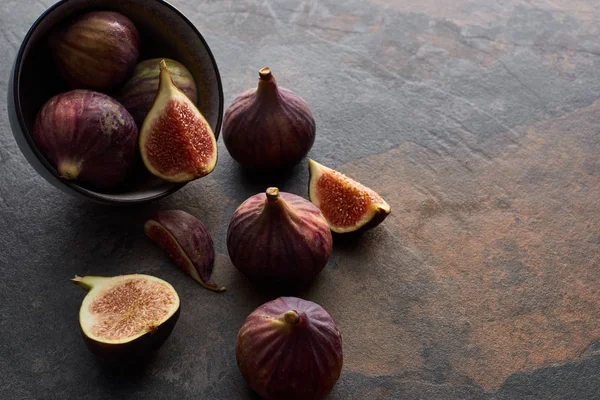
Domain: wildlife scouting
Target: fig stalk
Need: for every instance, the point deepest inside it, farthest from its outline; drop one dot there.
(292, 317)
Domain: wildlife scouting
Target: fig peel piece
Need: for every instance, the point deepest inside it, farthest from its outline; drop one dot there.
(187, 242)
(347, 205)
(124, 318)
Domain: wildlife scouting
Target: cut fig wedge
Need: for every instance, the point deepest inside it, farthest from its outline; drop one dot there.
(176, 142)
(347, 205)
(125, 318)
(187, 242)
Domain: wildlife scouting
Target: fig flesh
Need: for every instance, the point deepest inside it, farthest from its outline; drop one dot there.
(176, 142)
(96, 51)
(123, 319)
(279, 239)
(87, 136)
(138, 94)
(347, 205)
(268, 128)
(187, 242)
(290, 349)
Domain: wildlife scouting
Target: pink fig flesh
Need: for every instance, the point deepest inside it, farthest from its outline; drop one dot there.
(183, 237)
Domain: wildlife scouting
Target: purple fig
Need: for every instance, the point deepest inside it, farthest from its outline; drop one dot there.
(279, 238)
(187, 242)
(290, 349)
(176, 142)
(96, 51)
(268, 128)
(140, 90)
(88, 136)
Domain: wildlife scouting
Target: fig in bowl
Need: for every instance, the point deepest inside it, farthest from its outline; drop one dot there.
(140, 90)
(87, 136)
(98, 50)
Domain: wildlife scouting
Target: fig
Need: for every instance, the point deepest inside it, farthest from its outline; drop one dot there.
(96, 51)
(176, 142)
(268, 128)
(87, 136)
(279, 238)
(290, 349)
(187, 242)
(140, 90)
(123, 319)
(347, 205)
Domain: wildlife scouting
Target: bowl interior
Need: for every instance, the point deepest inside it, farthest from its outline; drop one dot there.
(164, 33)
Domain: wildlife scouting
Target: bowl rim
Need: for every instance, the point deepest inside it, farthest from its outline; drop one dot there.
(88, 193)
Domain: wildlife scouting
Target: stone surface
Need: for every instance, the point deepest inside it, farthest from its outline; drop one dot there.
(477, 120)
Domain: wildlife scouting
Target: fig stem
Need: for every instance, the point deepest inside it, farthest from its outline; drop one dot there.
(292, 317)
(272, 194)
(265, 73)
(165, 80)
(81, 282)
(68, 170)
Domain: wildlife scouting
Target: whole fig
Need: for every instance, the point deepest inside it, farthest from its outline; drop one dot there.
(268, 128)
(96, 51)
(140, 90)
(279, 238)
(87, 136)
(290, 349)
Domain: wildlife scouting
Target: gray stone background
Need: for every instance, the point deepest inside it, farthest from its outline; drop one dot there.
(477, 120)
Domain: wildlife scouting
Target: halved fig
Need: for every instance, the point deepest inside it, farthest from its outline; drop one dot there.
(347, 205)
(187, 242)
(125, 318)
(176, 142)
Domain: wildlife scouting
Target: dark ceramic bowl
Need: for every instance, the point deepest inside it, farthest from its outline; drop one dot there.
(165, 32)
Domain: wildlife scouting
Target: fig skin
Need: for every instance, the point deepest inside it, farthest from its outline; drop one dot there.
(279, 239)
(187, 242)
(136, 351)
(268, 128)
(290, 349)
(176, 142)
(359, 207)
(87, 136)
(96, 51)
(140, 90)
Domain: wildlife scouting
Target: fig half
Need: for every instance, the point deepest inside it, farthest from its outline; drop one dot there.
(290, 349)
(176, 141)
(125, 318)
(347, 205)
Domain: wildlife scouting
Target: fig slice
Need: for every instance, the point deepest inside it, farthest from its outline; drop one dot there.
(347, 205)
(124, 318)
(187, 242)
(176, 142)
